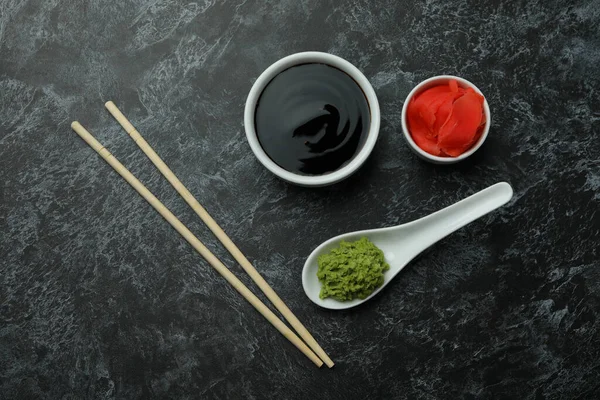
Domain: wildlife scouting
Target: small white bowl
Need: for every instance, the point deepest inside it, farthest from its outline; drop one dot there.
(435, 81)
(305, 58)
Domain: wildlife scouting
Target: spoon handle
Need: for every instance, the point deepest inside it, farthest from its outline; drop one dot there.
(440, 224)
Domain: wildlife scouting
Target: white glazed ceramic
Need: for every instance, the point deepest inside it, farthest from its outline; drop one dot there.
(304, 58)
(435, 81)
(400, 244)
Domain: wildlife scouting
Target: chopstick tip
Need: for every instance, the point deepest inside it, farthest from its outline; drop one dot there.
(75, 124)
(109, 104)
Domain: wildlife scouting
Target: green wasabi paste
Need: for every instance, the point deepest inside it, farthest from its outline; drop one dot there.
(355, 269)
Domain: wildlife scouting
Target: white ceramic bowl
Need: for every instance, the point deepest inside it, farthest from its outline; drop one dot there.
(304, 58)
(435, 81)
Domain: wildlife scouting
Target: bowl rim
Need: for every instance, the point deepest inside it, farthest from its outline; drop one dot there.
(434, 81)
(304, 58)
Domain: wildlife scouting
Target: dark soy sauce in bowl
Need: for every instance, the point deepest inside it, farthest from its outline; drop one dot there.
(312, 119)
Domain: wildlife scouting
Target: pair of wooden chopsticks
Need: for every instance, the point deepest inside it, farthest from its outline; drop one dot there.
(197, 244)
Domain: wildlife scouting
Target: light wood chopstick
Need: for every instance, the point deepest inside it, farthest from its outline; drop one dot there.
(197, 244)
(218, 232)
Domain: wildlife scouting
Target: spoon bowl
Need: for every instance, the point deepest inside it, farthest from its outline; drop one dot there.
(400, 244)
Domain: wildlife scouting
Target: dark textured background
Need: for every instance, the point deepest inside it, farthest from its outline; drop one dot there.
(100, 298)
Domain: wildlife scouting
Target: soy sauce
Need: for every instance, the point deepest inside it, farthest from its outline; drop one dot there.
(312, 119)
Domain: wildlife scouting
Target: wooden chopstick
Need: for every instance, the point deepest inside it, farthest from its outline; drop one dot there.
(218, 232)
(197, 244)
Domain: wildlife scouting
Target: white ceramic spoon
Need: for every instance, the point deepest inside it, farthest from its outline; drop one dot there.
(402, 243)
